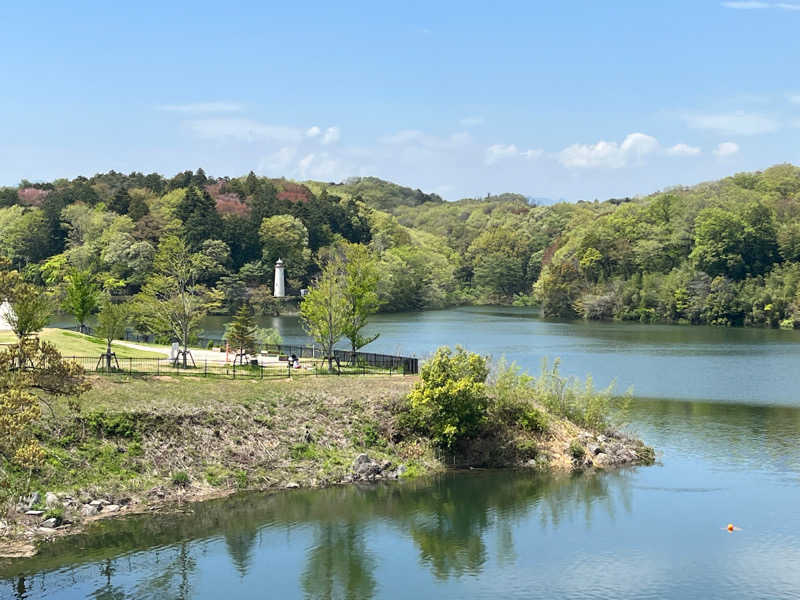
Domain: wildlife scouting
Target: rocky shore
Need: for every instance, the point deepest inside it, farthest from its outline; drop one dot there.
(135, 451)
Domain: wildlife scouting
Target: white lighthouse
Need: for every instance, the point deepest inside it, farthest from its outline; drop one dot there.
(280, 285)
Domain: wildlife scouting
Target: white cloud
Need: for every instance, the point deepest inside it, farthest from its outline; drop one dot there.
(277, 163)
(788, 6)
(609, 154)
(414, 137)
(313, 131)
(304, 164)
(243, 130)
(533, 153)
(735, 123)
(471, 121)
(497, 152)
(683, 150)
(331, 136)
(201, 107)
(726, 149)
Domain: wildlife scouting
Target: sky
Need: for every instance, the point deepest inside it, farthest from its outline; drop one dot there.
(570, 99)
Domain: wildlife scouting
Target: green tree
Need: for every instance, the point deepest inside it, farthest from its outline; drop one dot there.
(29, 312)
(285, 236)
(241, 333)
(361, 275)
(112, 321)
(172, 303)
(450, 401)
(198, 213)
(324, 311)
(121, 202)
(138, 207)
(19, 402)
(81, 297)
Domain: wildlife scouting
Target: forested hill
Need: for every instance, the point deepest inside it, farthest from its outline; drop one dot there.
(724, 252)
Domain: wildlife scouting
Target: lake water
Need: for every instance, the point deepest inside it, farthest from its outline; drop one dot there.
(722, 407)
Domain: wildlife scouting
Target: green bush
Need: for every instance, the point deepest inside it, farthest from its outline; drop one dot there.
(450, 401)
(576, 450)
(180, 479)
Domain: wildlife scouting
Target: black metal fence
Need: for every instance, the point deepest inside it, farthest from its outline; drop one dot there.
(207, 368)
(345, 361)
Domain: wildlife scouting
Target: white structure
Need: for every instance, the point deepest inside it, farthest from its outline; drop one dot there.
(280, 282)
(5, 309)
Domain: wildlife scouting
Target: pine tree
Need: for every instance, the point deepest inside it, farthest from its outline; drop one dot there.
(242, 333)
(121, 202)
(138, 208)
(201, 222)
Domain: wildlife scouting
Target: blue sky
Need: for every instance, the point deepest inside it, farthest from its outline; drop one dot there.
(580, 100)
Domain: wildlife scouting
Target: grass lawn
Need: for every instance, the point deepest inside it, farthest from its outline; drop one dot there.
(71, 343)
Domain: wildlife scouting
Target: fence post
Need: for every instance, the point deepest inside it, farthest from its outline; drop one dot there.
(205, 368)
(130, 366)
(158, 366)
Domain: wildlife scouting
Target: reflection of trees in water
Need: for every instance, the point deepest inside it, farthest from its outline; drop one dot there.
(172, 579)
(449, 523)
(450, 520)
(240, 544)
(338, 564)
(739, 435)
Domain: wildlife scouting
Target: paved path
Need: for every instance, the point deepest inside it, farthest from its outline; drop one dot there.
(198, 354)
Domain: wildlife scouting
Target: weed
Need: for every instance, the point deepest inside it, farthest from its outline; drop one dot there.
(180, 479)
(576, 450)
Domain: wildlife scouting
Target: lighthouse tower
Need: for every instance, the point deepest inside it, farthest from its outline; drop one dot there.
(280, 284)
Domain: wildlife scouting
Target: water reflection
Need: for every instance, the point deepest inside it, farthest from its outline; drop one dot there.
(338, 564)
(450, 520)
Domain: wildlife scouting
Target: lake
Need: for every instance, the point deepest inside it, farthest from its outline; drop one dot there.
(721, 406)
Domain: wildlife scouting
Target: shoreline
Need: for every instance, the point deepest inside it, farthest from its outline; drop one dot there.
(146, 445)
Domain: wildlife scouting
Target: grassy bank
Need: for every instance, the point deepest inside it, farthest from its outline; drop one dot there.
(72, 343)
(136, 442)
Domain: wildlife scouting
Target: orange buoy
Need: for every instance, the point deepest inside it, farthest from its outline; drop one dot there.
(730, 526)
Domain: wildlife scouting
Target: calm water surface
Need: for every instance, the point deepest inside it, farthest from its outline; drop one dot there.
(721, 406)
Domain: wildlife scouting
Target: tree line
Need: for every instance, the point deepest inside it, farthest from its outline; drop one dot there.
(725, 252)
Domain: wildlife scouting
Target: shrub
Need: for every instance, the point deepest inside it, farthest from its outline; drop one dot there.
(180, 479)
(578, 401)
(576, 450)
(450, 401)
(513, 395)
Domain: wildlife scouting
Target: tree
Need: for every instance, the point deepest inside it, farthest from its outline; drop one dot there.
(29, 311)
(121, 202)
(138, 207)
(450, 400)
(285, 236)
(82, 297)
(19, 405)
(324, 311)
(111, 323)
(360, 274)
(172, 303)
(198, 213)
(241, 333)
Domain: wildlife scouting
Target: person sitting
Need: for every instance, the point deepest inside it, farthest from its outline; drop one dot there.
(295, 362)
